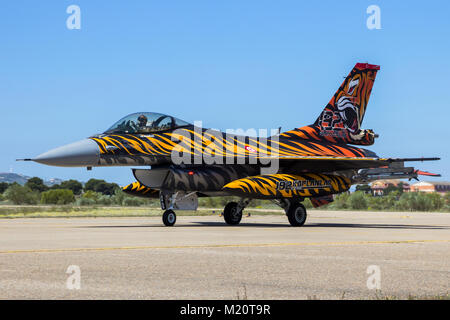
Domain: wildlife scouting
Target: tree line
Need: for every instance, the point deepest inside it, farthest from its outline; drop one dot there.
(93, 192)
(394, 200)
(100, 192)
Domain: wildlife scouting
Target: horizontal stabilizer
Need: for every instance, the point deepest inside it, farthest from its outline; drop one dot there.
(321, 201)
(395, 170)
(425, 173)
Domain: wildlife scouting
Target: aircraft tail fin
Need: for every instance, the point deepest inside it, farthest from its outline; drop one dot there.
(341, 119)
(348, 105)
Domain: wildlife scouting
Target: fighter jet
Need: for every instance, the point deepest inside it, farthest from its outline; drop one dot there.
(180, 161)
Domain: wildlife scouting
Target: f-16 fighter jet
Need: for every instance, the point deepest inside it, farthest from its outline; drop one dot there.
(180, 162)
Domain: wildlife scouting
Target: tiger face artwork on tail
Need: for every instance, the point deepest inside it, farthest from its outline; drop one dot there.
(343, 115)
(341, 119)
(348, 112)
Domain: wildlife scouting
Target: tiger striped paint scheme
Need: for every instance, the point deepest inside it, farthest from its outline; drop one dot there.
(196, 143)
(303, 186)
(139, 190)
(206, 178)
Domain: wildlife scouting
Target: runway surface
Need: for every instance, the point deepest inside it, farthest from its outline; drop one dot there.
(202, 258)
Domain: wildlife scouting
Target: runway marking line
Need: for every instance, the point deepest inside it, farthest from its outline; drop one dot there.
(223, 246)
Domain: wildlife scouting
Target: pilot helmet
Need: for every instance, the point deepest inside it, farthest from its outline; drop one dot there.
(142, 120)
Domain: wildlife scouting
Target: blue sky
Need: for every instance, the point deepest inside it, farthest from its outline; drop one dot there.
(231, 64)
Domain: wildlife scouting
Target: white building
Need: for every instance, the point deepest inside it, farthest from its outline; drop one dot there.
(426, 186)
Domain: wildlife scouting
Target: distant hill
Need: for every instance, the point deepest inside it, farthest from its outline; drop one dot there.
(22, 179)
(13, 177)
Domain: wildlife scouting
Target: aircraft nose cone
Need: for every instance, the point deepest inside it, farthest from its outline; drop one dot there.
(82, 153)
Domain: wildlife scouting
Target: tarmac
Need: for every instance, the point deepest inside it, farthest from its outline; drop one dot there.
(335, 255)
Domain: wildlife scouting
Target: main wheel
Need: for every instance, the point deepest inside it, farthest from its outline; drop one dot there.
(232, 214)
(169, 218)
(296, 214)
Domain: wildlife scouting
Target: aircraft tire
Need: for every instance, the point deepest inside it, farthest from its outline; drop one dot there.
(297, 214)
(169, 218)
(231, 214)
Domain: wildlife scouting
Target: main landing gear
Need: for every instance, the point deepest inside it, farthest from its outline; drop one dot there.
(295, 211)
(296, 214)
(232, 213)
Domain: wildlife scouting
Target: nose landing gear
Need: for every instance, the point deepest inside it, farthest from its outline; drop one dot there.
(176, 201)
(169, 218)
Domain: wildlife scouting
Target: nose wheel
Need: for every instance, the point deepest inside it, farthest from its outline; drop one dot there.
(169, 218)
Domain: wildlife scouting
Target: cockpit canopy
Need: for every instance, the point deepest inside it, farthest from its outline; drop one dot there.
(146, 122)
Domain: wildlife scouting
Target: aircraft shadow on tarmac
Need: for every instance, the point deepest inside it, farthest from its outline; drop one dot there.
(275, 225)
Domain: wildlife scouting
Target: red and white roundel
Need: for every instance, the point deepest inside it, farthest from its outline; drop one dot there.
(250, 149)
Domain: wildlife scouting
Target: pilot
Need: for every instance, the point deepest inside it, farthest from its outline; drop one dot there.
(142, 124)
(142, 121)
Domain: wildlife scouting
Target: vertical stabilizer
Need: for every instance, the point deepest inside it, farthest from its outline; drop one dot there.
(341, 119)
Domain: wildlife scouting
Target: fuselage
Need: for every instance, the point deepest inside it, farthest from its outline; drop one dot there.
(190, 146)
